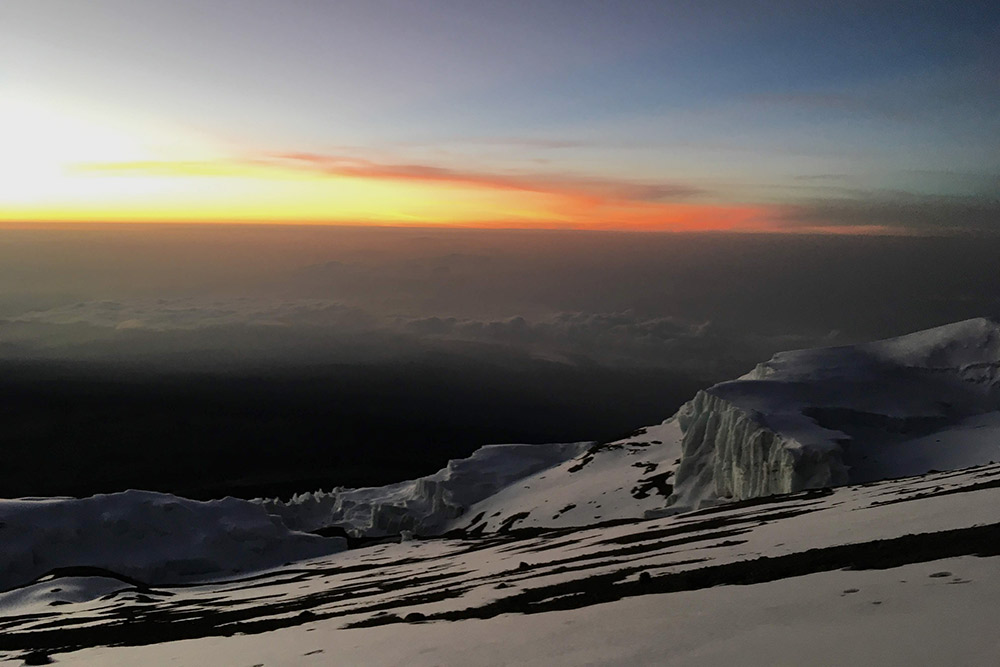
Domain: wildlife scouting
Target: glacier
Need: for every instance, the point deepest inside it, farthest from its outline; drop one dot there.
(152, 538)
(424, 505)
(906, 569)
(840, 415)
(803, 419)
(729, 452)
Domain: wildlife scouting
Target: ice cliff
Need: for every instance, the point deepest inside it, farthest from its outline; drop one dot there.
(424, 505)
(823, 417)
(729, 452)
(804, 419)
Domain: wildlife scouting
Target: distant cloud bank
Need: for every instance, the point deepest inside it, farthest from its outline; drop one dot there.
(252, 330)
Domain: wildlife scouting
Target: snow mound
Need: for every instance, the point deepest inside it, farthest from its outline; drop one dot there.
(40, 597)
(150, 537)
(823, 417)
(425, 505)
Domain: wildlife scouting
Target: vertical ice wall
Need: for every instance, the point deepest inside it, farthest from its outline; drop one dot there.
(728, 453)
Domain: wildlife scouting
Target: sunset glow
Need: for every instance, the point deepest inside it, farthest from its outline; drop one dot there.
(353, 115)
(62, 166)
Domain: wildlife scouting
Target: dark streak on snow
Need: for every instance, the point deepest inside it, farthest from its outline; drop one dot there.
(874, 555)
(657, 482)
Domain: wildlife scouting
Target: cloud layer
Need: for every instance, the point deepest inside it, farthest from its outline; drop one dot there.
(249, 331)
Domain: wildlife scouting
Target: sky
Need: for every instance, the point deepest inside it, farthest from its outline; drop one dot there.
(807, 116)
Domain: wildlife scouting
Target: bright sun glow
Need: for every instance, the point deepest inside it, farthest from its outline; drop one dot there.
(40, 142)
(63, 160)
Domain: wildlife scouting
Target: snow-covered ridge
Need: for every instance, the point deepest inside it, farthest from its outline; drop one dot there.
(968, 349)
(804, 419)
(424, 505)
(154, 538)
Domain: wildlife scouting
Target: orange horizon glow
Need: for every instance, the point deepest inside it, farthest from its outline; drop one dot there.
(269, 192)
(293, 190)
(84, 166)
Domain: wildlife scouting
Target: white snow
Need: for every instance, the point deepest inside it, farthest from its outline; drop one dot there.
(424, 505)
(897, 618)
(150, 537)
(605, 482)
(38, 597)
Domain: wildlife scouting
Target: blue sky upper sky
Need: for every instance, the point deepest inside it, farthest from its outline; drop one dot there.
(771, 115)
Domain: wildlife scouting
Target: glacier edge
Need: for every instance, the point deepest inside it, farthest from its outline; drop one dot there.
(728, 453)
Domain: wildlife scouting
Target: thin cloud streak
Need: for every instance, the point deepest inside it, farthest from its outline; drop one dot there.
(542, 183)
(600, 203)
(909, 214)
(836, 102)
(535, 200)
(353, 167)
(516, 142)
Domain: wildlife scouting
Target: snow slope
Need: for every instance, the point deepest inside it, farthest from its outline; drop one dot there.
(425, 505)
(902, 617)
(145, 537)
(605, 482)
(892, 573)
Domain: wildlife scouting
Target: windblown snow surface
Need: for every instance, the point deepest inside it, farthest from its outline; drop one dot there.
(797, 515)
